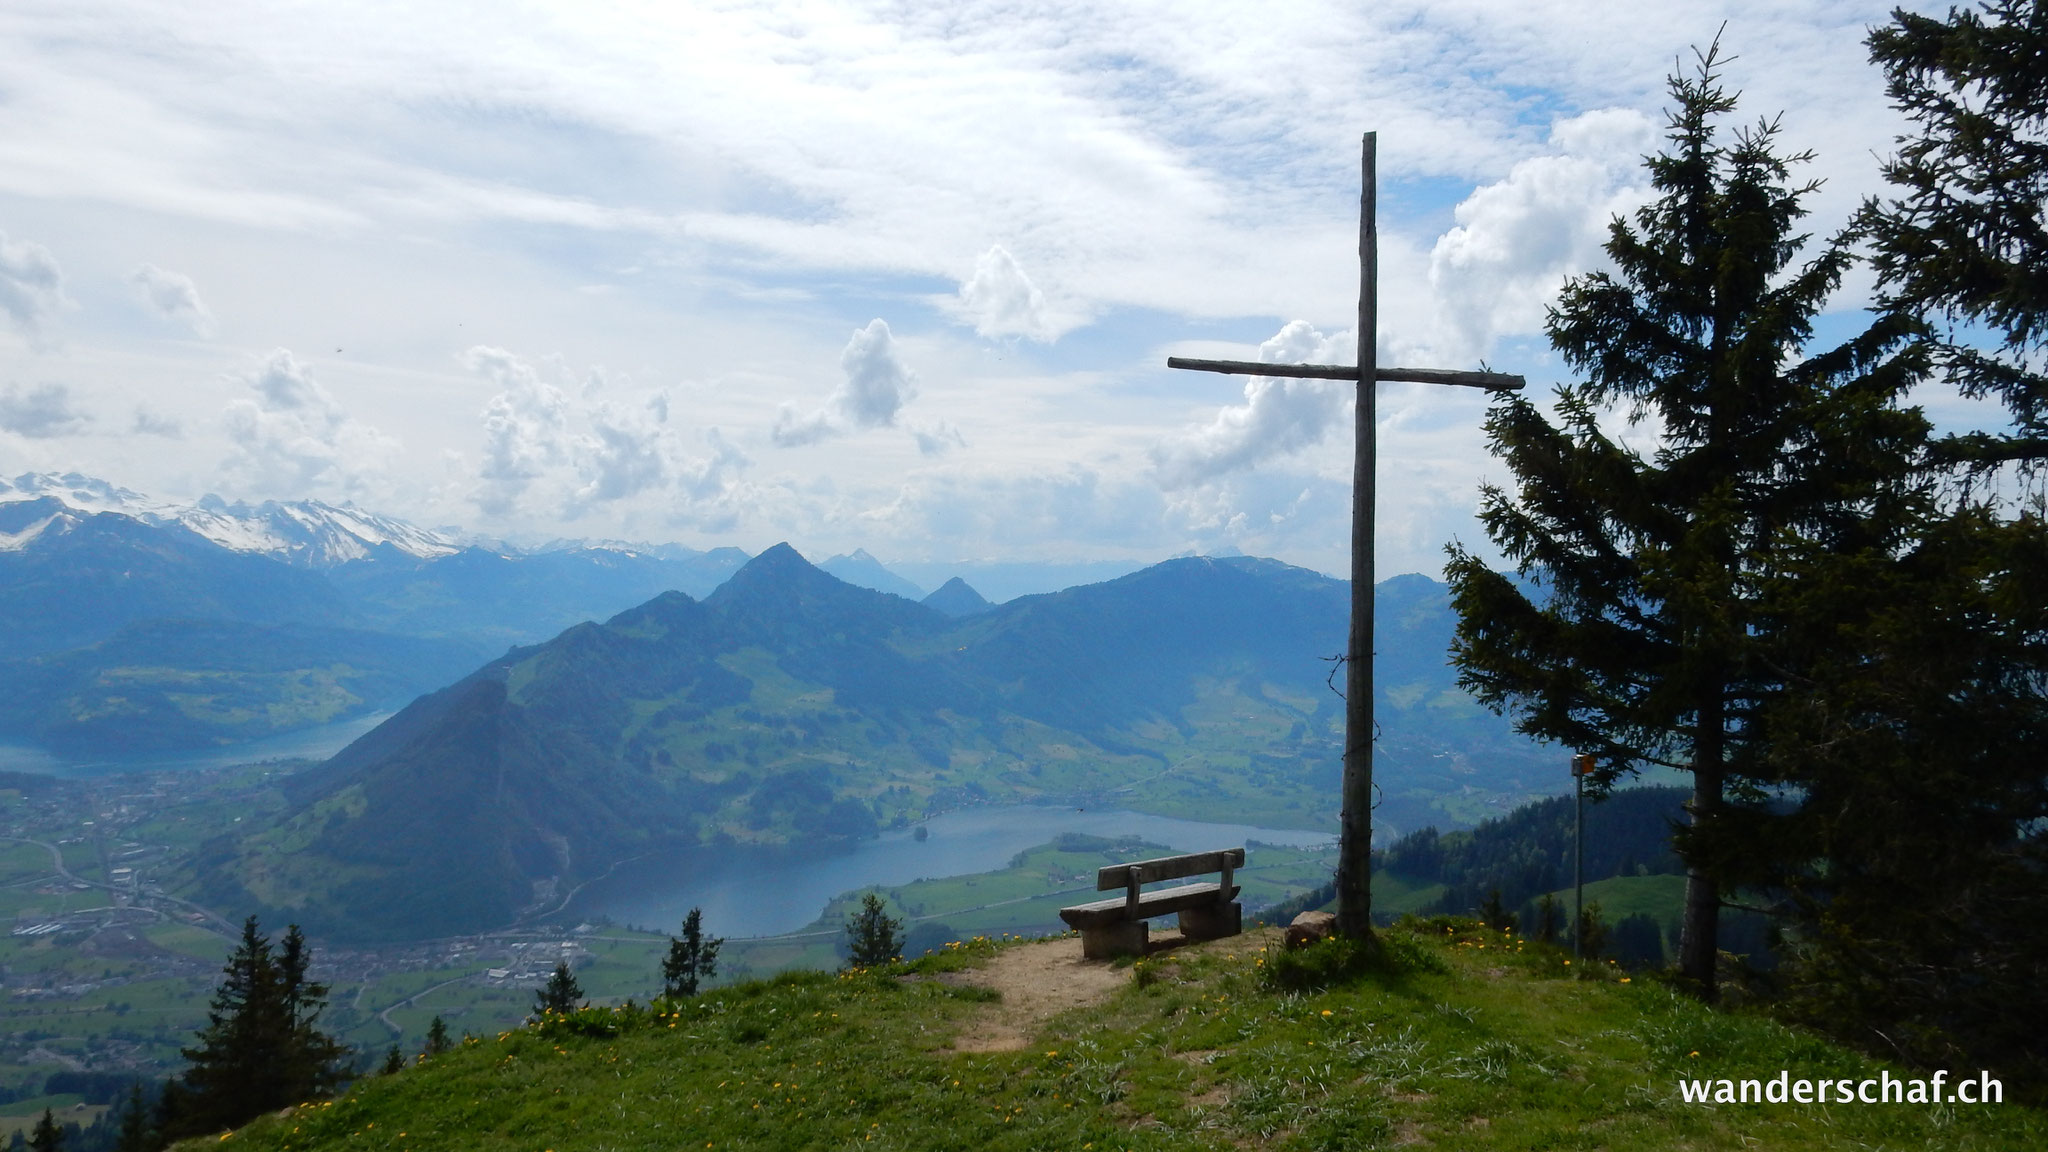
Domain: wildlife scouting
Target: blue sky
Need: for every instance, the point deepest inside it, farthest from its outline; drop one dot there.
(885, 275)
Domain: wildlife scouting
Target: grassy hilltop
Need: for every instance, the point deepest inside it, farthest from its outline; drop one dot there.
(1474, 1040)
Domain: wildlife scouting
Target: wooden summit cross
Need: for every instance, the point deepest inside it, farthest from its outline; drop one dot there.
(1354, 851)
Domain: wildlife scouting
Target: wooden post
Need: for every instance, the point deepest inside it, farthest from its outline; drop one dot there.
(1354, 853)
(1580, 766)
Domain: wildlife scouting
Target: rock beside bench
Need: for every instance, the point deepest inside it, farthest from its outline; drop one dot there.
(1309, 928)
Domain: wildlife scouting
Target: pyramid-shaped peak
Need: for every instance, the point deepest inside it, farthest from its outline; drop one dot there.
(779, 557)
(779, 567)
(956, 598)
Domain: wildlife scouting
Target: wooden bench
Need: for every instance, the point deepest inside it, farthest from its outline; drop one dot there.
(1116, 927)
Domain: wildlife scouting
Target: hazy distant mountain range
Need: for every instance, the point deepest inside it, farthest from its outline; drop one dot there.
(128, 624)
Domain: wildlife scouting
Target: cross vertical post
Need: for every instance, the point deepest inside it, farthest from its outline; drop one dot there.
(1354, 842)
(1354, 850)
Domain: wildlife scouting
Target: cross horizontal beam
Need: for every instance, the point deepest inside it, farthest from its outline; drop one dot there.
(1491, 381)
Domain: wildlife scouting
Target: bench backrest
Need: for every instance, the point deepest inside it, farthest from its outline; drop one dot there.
(1167, 868)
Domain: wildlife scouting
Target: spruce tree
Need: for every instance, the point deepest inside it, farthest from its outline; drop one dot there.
(1634, 637)
(1913, 736)
(1495, 914)
(437, 1038)
(1549, 918)
(135, 1134)
(315, 1061)
(394, 1061)
(1965, 235)
(561, 994)
(170, 1111)
(872, 936)
(691, 959)
(261, 1048)
(1592, 932)
(47, 1137)
(1920, 730)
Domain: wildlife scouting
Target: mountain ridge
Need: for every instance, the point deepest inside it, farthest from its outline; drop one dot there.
(792, 711)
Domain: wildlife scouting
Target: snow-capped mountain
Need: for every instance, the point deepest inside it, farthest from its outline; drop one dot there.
(306, 533)
(311, 533)
(23, 522)
(83, 493)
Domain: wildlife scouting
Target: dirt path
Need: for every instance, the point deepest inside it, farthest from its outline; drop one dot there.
(1038, 982)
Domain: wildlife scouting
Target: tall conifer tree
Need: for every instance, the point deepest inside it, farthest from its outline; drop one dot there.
(1965, 235)
(47, 1137)
(1914, 724)
(261, 1048)
(135, 1134)
(1637, 640)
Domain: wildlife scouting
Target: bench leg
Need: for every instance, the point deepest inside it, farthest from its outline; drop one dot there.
(1112, 940)
(1213, 922)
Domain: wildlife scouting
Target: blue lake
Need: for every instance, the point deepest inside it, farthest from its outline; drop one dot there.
(746, 894)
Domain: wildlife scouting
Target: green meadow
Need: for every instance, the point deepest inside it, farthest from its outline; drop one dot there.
(1465, 1039)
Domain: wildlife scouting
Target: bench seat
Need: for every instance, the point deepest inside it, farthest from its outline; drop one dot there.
(1162, 902)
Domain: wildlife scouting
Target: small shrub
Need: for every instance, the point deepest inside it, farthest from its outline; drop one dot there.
(692, 959)
(873, 937)
(1343, 960)
(561, 994)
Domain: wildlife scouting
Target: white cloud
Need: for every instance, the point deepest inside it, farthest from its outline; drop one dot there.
(39, 413)
(625, 453)
(1280, 415)
(293, 438)
(526, 430)
(938, 439)
(1022, 513)
(1298, 342)
(1002, 301)
(549, 453)
(152, 423)
(877, 385)
(878, 382)
(173, 296)
(1518, 239)
(31, 286)
(793, 430)
(713, 475)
